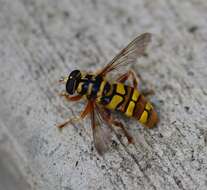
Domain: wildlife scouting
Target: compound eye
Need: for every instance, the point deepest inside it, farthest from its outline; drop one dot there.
(75, 74)
(70, 86)
(73, 79)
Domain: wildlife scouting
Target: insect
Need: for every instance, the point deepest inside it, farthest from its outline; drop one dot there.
(103, 96)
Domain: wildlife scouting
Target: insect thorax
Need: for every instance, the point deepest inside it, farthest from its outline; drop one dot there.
(91, 86)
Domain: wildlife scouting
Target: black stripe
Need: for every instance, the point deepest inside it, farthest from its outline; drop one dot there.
(107, 88)
(89, 76)
(123, 96)
(139, 106)
(130, 98)
(107, 99)
(84, 87)
(136, 104)
(86, 80)
(117, 107)
(96, 86)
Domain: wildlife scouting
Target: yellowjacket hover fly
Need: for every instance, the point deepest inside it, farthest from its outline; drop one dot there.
(103, 96)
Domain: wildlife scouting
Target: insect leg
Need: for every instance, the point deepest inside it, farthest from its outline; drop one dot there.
(111, 121)
(126, 133)
(126, 75)
(70, 98)
(88, 108)
(70, 120)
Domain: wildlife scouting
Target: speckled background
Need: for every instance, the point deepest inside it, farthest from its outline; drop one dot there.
(40, 41)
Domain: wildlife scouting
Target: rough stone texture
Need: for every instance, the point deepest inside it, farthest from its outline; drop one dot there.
(43, 40)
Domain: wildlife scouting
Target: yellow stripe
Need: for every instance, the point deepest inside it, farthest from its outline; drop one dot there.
(130, 109)
(135, 95)
(120, 88)
(89, 89)
(143, 118)
(79, 89)
(100, 91)
(114, 102)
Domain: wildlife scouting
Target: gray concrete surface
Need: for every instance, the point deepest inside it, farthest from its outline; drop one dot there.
(43, 40)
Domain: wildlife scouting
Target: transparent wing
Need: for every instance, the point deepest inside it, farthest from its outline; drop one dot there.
(129, 54)
(101, 134)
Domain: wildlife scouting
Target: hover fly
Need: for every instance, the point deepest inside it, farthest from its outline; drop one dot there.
(103, 97)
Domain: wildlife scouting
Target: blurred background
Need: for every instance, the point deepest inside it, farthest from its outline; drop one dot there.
(42, 40)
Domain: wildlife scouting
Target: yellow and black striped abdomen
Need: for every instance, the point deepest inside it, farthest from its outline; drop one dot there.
(129, 101)
(117, 96)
